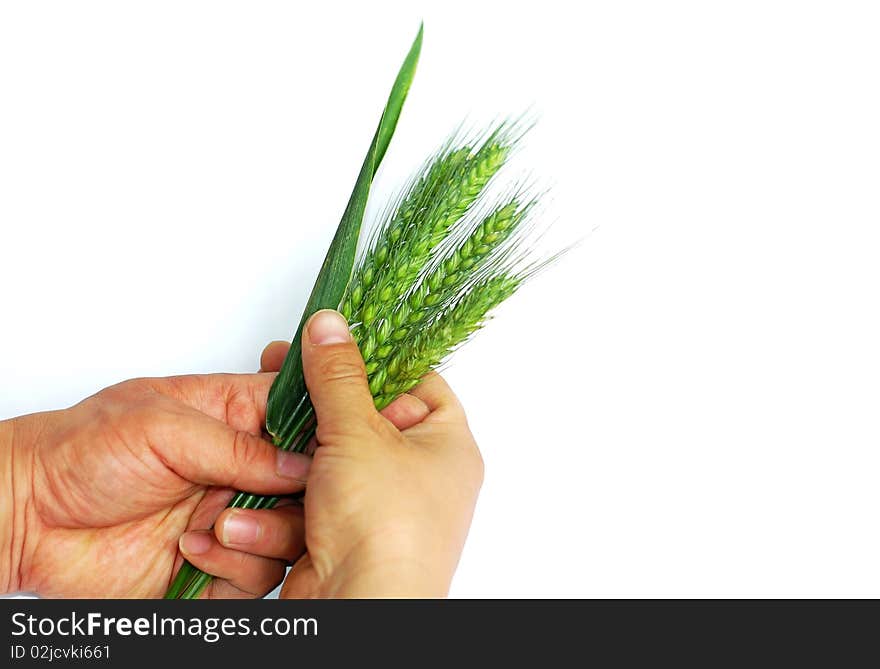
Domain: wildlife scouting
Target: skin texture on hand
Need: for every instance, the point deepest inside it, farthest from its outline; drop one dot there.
(387, 510)
(107, 498)
(104, 490)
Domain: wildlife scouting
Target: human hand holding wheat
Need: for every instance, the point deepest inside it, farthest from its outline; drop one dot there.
(103, 491)
(386, 510)
(442, 256)
(277, 533)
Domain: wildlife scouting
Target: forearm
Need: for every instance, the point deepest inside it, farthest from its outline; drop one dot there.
(15, 462)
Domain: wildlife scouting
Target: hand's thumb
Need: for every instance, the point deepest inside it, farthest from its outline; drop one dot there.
(335, 375)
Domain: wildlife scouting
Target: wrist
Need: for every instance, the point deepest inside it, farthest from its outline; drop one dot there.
(16, 465)
(397, 579)
(392, 566)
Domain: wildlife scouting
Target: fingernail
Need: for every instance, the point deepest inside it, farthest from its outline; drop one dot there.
(293, 466)
(328, 327)
(240, 529)
(195, 543)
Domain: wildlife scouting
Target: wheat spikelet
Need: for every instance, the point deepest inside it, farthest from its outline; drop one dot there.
(428, 280)
(440, 285)
(452, 327)
(449, 186)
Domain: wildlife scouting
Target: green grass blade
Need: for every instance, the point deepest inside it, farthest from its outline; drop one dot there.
(289, 386)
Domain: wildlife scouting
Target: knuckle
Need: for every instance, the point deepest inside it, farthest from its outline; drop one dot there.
(340, 366)
(246, 451)
(360, 427)
(270, 575)
(377, 424)
(241, 410)
(284, 545)
(124, 390)
(474, 463)
(479, 468)
(339, 431)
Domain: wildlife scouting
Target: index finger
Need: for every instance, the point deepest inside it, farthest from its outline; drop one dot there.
(273, 356)
(239, 400)
(436, 393)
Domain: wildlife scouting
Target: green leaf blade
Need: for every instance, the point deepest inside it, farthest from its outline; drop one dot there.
(289, 389)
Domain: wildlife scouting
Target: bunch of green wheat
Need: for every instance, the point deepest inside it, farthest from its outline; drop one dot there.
(442, 257)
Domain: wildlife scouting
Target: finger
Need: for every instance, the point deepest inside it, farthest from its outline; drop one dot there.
(311, 445)
(250, 573)
(238, 400)
(273, 356)
(335, 376)
(272, 533)
(436, 393)
(406, 411)
(208, 452)
(209, 507)
(403, 413)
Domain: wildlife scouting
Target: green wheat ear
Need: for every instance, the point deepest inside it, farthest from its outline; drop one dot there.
(449, 329)
(439, 286)
(441, 259)
(335, 273)
(438, 197)
(287, 399)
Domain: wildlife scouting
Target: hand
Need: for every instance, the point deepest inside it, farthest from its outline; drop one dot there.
(103, 491)
(278, 533)
(387, 508)
(98, 495)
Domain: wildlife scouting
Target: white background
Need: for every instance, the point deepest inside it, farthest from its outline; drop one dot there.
(686, 406)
